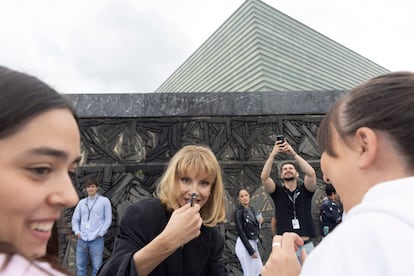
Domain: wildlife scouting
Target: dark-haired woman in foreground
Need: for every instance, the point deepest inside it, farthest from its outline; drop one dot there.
(39, 150)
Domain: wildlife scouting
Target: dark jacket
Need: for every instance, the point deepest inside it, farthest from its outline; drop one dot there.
(330, 216)
(142, 222)
(247, 226)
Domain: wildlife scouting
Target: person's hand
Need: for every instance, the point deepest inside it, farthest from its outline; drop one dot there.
(184, 225)
(277, 148)
(260, 219)
(254, 255)
(283, 259)
(287, 148)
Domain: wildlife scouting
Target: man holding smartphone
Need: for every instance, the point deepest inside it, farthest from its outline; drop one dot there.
(292, 200)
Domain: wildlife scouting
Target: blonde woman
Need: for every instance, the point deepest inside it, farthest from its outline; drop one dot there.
(174, 233)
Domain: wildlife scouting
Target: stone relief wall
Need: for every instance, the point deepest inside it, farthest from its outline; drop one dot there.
(128, 156)
(127, 140)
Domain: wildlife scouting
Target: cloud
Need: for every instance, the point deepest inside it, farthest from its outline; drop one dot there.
(77, 46)
(100, 46)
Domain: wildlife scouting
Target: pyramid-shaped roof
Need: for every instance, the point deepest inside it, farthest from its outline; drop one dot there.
(261, 49)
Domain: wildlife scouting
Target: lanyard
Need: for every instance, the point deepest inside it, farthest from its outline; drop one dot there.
(296, 194)
(93, 204)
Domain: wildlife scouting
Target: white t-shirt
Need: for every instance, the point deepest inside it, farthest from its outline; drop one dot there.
(377, 237)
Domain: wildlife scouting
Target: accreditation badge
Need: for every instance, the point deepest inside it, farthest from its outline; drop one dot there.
(295, 223)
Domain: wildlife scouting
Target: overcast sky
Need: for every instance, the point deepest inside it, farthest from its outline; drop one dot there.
(112, 46)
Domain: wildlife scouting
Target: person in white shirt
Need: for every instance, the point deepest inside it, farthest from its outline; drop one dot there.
(366, 141)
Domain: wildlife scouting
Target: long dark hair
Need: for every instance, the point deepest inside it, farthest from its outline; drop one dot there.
(22, 97)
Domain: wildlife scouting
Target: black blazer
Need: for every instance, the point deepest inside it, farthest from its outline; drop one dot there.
(141, 223)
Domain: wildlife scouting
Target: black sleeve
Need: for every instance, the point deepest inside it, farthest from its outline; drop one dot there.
(215, 263)
(141, 223)
(238, 220)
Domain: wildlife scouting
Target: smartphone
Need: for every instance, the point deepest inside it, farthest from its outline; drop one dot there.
(280, 139)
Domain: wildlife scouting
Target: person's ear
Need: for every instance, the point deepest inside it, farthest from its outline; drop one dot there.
(367, 146)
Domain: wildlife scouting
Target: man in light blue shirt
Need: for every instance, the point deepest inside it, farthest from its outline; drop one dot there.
(90, 222)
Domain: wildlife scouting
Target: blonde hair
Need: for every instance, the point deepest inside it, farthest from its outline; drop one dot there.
(201, 160)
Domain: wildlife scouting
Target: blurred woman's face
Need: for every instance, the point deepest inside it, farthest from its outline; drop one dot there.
(342, 170)
(244, 198)
(35, 184)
